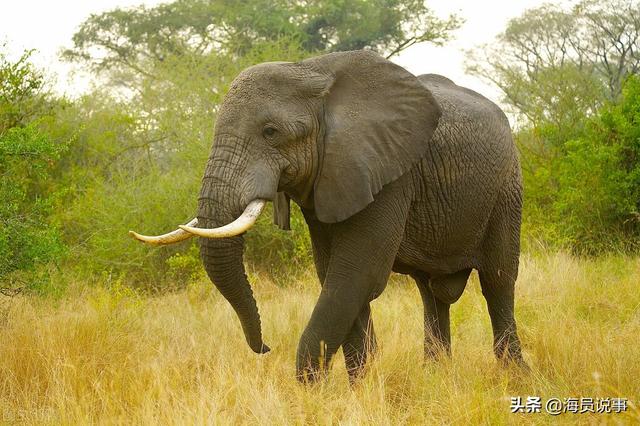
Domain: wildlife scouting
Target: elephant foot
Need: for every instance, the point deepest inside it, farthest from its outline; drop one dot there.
(509, 353)
(311, 373)
(311, 367)
(518, 364)
(357, 366)
(436, 350)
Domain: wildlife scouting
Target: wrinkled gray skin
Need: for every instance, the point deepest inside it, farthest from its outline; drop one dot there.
(393, 173)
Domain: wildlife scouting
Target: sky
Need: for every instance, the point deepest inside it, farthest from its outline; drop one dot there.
(48, 26)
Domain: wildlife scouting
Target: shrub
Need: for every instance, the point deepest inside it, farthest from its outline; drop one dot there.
(27, 238)
(587, 194)
(28, 155)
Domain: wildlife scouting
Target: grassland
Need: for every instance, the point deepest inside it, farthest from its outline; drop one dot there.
(109, 355)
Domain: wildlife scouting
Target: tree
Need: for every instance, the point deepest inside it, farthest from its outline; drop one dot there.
(134, 40)
(176, 60)
(27, 158)
(598, 198)
(553, 64)
(23, 93)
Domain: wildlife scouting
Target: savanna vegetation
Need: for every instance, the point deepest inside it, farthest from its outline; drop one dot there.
(108, 354)
(96, 328)
(571, 77)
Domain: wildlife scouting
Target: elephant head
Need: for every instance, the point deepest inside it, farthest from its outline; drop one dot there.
(328, 132)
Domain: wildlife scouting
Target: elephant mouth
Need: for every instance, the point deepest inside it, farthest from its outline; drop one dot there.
(184, 232)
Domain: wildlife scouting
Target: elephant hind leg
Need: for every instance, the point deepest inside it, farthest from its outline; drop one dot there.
(360, 344)
(498, 290)
(498, 274)
(437, 296)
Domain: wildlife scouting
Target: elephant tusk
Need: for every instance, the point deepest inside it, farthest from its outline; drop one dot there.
(170, 238)
(237, 227)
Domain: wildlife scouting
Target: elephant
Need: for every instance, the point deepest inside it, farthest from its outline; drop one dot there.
(392, 172)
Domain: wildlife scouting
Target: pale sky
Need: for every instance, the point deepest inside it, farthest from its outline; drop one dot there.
(48, 26)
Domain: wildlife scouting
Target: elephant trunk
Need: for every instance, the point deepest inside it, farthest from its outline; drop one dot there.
(235, 181)
(220, 203)
(223, 262)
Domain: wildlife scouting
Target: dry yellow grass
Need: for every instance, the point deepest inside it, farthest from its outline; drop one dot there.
(110, 356)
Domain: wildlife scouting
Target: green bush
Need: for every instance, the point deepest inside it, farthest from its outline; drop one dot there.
(586, 195)
(281, 253)
(29, 239)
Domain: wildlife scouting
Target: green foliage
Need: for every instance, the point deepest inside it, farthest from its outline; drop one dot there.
(27, 159)
(279, 253)
(186, 267)
(23, 97)
(136, 39)
(561, 71)
(26, 237)
(588, 195)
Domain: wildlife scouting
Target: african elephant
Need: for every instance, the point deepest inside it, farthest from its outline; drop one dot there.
(392, 172)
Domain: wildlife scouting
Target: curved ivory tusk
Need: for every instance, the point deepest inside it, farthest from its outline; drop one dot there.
(237, 227)
(170, 238)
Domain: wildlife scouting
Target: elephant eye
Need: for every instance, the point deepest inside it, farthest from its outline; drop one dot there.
(269, 132)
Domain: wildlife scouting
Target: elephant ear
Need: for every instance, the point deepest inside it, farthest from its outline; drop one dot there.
(379, 120)
(281, 211)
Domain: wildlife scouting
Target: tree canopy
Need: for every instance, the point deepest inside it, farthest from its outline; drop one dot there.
(134, 39)
(552, 61)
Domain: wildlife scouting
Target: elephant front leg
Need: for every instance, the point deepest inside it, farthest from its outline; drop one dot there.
(331, 322)
(359, 345)
(352, 281)
(360, 342)
(362, 252)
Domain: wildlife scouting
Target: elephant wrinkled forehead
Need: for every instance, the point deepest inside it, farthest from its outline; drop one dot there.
(268, 91)
(267, 80)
